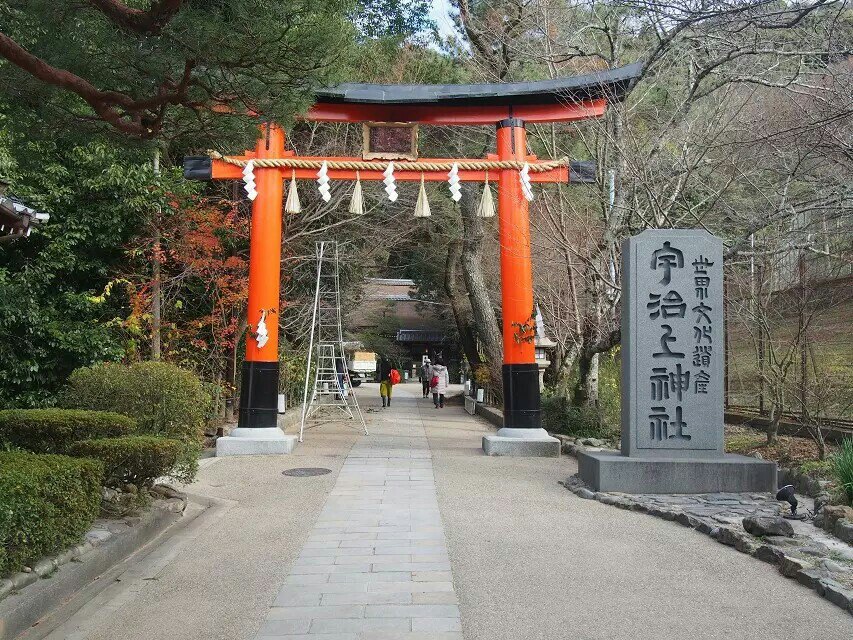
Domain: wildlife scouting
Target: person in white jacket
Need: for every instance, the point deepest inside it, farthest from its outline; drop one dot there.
(439, 381)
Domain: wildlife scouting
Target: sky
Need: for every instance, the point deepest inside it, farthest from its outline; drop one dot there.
(440, 13)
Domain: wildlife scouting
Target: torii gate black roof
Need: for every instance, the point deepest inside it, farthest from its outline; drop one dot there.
(612, 84)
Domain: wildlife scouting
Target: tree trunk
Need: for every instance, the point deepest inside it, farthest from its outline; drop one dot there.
(592, 382)
(156, 292)
(587, 370)
(488, 328)
(773, 424)
(156, 298)
(462, 313)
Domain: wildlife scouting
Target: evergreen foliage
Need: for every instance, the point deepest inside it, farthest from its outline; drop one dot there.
(55, 430)
(137, 460)
(164, 399)
(47, 503)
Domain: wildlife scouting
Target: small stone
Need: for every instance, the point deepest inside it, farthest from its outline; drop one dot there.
(755, 454)
(98, 536)
(768, 526)
(167, 491)
(832, 566)
(685, 520)
(177, 505)
(45, 567)
(727, 536)
(789, 566)
(586, 494)
(668, 514)
(837, 512)
(21, 580)
(821, 501)
(65, 557)
(844, 531)
(131, 488)
(813, 487)
(812, 548)
(808, 577)
(27, 569)
(768, 553)
(835, 593)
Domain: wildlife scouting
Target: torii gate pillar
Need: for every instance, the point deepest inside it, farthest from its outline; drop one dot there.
(256, 430)
(522, 433)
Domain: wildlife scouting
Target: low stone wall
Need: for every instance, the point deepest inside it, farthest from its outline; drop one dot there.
(492, 414)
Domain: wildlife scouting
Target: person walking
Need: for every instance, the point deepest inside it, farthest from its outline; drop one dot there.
(426, 376)
(390, 376)
(439, 381)
(341, 371)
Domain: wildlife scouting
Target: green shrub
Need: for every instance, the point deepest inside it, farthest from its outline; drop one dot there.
(164, 399)
(816, 468)
(560, 416)
(46, 503)
(137, 460)
(54, 430)
(842, 468)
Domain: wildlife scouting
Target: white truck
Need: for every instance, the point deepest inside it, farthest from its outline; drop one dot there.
(362, 367)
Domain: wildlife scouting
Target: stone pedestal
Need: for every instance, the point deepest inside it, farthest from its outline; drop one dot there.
(255, 442)
(521, 443)
(611, 471)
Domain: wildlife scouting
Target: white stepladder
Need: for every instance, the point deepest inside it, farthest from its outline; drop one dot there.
(331, 396)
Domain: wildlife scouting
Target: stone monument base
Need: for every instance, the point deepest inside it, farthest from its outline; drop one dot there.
(528, 443)
(255, 442)
(611, 471)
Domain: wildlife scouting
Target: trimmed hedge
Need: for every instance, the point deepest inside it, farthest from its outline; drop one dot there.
(47, 502)
(164, 399)
(54, 430)
(138, 460)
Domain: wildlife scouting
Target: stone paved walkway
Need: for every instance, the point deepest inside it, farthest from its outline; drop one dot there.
(375, 565)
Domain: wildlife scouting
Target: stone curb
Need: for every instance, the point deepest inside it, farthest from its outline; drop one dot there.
(101, 550)
(790, 566)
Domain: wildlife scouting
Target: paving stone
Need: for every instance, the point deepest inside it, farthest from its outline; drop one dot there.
(373, 559)
(391, 576)
(433, 625)
(436, 597)
(331, 599)
(312, 636)
(297, 599)
(411, 587)
(412, 611)
(432, 576)
(282, 627)
(411, 566)
(308, 613)
(307, 579)
(360, 625)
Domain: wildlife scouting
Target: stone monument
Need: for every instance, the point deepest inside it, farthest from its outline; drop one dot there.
(672, 374)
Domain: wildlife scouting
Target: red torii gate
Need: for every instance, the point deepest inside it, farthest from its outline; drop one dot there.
(507, 106)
